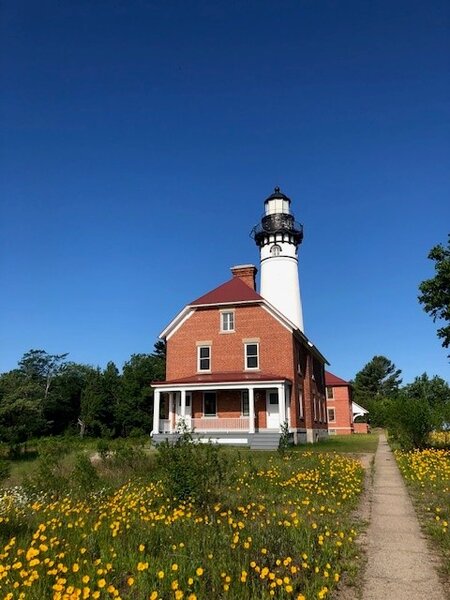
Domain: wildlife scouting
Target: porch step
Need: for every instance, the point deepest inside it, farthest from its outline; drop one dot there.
(264, 440)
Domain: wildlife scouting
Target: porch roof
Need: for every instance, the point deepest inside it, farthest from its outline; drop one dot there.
(229, 377)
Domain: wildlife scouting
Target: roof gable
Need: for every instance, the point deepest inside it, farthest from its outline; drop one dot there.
(234, 290)
(333, 380)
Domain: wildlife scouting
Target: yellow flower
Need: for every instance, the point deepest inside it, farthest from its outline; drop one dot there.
(199, 571)
(160, 574)
(130, 581)
(101, 583)
(174, 567)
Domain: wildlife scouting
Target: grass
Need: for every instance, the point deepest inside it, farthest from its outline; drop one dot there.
(355, 444)
(279, 527)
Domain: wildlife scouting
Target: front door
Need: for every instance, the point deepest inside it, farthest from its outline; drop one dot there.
(273, 409)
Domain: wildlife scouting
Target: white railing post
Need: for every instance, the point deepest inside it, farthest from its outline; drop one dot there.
(183, 404)
(156, 402)
(251, 410)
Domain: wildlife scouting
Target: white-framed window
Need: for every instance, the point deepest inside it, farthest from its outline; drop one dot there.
(331, 415)
(315, 407)
(227, 320)
(330, 392)
(252, 355)
(300, 404)
(204, 358)
(245, 404)
(209, 404)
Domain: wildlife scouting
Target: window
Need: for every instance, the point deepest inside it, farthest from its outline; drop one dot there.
(245, 406)
(331, 415)
(300, 404)
(227, 321)
(330, 394)
(275, 250)
(315, 407)
(251, 356)
(204, 358)
(209, 404)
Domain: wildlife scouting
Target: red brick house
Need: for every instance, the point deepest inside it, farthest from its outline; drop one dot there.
(238, 369)
(341, 409)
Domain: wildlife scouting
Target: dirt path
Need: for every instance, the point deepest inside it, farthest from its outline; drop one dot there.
(399, 565)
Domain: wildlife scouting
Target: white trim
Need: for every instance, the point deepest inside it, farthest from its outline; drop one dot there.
(231, 385)
(177, 322)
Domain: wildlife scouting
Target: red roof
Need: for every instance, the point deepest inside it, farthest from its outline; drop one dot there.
(333, 380)
(234, 290)
(224, 378)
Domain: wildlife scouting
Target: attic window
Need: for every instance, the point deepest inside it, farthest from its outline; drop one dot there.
(227, 321)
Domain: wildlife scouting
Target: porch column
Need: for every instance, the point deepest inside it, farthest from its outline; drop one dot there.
(156, 403)
(171, 411)
(183, 404)
(251, 410)
(288, 389)
(282, 404)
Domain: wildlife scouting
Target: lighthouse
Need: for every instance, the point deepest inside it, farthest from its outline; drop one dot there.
(278, 237)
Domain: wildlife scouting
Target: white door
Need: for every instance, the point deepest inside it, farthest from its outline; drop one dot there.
(273, 409)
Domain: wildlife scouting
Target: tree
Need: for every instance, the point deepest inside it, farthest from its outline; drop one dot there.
(378, 379)
(39, 366)
(435, 292)
(435, 391)
(135, 409)
(62, 406)
(21, 414)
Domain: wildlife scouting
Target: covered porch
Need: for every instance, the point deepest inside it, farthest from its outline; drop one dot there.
(232, 408)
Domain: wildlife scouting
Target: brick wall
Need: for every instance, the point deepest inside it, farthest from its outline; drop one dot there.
(342, 405)
(279, 354)
(227, 349)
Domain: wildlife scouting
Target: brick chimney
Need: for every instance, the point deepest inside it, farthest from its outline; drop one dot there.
(247, 273)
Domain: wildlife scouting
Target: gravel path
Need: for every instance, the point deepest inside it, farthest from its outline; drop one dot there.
(399, 565)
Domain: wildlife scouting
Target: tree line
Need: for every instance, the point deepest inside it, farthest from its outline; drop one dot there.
(411, 411)
(47, 394)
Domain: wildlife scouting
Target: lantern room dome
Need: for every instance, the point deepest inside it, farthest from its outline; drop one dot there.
(277, 195)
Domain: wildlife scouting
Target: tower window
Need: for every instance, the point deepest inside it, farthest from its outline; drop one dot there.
(275, 250)
(204, 358)
(251, 356)
(227, 321)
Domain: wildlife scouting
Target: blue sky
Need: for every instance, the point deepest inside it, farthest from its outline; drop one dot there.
(140, 139)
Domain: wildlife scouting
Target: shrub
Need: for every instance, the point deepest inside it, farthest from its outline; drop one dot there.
(411, 420)
(5, 470)
(192, 470)
(84, 477)
(285, 441)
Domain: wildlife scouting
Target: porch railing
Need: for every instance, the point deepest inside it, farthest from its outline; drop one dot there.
(220, 424)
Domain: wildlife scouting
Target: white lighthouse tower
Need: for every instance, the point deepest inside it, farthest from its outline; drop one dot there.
(278, 237)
